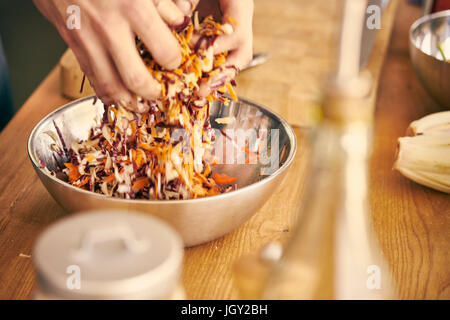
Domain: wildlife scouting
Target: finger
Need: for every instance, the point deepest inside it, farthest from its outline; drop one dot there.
(225, 43)
(158, 38)
(216, 82)
(187, 6)
(99, 66)
(236, 61)
(129, 64)
(236, 24)
(169, 12)
(240, 57)
(106, 82)
(83, 61)
(87, 70)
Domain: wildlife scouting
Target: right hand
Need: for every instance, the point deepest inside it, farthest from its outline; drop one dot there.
(105, 44)
(239, 43)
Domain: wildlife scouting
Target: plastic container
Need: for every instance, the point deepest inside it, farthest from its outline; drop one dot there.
(108, 255)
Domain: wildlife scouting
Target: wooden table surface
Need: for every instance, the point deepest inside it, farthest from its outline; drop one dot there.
(411, 221)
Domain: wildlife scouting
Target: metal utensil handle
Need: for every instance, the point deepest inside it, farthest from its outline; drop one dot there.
(258, 59)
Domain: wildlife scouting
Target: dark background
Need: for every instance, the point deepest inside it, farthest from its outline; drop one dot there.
(32, 46)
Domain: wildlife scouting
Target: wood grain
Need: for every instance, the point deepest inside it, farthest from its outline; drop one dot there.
(412, 222)
(26, 208)
(208, 268)
(301, 38)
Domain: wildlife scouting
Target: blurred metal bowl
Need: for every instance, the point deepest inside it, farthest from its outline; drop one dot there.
(434, 73)
(197, 220)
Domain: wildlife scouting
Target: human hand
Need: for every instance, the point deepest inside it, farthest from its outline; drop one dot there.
(239, 41)
(105, 44)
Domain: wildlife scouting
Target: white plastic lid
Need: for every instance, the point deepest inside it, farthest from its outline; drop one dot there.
(108, 255)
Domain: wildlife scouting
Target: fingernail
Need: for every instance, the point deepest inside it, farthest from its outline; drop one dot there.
(185, 6)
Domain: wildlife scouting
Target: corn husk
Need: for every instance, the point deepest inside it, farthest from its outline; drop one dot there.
(424, 157)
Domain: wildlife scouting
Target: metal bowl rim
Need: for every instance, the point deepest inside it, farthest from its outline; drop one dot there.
(289, 131)
(423, 19)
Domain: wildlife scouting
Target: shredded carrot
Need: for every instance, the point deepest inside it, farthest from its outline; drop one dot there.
(140, 184)
(133, 130)
(145, 146)
(252, 159)
(219, 60)
(74, 174)
(189, 33)
(207, 170)
(140, 161)
(222, 178)
(178, 72)
(110, 178)
(231, 91)
(233, 21)
(85, 181)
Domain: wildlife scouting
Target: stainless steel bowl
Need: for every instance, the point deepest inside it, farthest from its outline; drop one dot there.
(434, 73)
(197, 220)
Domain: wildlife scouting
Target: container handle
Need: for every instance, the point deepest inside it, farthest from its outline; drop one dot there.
(93, 237)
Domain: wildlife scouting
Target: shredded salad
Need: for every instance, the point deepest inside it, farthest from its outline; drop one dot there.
(162, 153)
